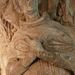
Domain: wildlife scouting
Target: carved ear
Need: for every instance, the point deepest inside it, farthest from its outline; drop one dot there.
(16, 6)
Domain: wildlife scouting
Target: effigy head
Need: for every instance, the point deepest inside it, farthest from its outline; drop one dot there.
(26, 6)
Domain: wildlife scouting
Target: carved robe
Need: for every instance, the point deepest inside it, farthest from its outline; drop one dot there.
(19, 58)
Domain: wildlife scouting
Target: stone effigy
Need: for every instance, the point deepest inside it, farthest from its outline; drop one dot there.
(23, 41)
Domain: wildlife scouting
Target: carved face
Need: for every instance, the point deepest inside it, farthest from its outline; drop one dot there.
(28, 6)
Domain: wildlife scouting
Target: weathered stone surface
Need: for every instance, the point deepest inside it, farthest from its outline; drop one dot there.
(31, 43)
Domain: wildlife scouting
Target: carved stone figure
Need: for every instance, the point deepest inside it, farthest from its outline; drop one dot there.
(36, 37)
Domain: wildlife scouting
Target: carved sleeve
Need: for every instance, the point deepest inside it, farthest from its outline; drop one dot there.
(61, 44)
(58, 41)
(58, 49)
